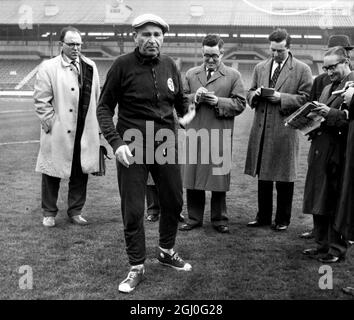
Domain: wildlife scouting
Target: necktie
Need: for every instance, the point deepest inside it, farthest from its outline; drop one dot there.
(209, 74)
(275, 76)
(74, 63)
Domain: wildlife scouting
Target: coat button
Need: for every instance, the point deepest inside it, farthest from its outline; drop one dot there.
(319, 133)
(259, 125)
(69, 131)
(316, 152)
(72, 89)
(71, 110)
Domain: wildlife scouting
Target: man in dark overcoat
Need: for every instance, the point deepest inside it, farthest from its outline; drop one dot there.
(273, 148)
(326, 160)
(323, 80)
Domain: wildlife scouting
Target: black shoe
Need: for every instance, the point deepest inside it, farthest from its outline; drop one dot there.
(188, 227)
(222, 229)
(181, 218)
(279, 227)
(307, 235)
(256, 224)
(330, 258)
(348, 290)
(312, 252)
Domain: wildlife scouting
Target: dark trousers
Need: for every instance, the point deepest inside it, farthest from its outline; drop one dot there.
(152, 200)
(285, 192)
(76, 193)
(327, 238)
(196, 204)
(132, 188)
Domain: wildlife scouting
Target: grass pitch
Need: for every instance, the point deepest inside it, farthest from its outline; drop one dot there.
(72, 262)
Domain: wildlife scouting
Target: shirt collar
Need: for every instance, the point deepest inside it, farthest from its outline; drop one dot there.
(281, 63)
(68, 61)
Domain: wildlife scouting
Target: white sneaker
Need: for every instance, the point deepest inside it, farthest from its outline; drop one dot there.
(49, 221)
(135, 276)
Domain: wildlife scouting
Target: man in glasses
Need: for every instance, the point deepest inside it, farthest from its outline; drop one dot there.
(280, 86)
(66, 92)
(219, 96)
(326, 161)
(147, 87)
(323, 80)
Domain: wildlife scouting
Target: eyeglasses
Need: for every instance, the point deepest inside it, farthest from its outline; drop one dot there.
(213, 56)
(332, 67)
(73, 45)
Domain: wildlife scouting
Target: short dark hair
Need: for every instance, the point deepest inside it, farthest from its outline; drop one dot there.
(212, 40)
(280, 35)
(65, 30)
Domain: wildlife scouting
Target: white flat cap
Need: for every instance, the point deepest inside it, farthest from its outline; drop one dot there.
(150, 18)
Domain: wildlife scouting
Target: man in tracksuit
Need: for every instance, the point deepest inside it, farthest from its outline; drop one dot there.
(147, 87)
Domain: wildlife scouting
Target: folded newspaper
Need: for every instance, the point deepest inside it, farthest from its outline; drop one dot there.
(304, 119)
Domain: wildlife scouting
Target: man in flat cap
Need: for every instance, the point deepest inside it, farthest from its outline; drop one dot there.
(147, 87)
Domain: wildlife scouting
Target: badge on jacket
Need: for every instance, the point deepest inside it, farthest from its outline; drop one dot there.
(170, 84)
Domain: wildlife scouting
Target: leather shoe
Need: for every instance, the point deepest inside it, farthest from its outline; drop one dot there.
(188, 227)
(79, 220)
(256, 224)
(279, 227)
(307, 235)
(348, 290)
(330, 258)
(222, 229)
(313, 252)
(181, 218)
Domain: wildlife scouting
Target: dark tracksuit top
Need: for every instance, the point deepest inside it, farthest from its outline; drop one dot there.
(146, 90)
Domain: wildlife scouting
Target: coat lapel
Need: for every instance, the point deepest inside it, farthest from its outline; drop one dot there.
(201, 75)
(265, 73)
(284, 73)
(332, 98)
(217, 74)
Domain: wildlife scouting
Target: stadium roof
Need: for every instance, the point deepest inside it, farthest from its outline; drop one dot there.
(244, 13)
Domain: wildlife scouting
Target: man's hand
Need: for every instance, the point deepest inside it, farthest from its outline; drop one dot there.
(322, 109)
(198, 93)
(258, 91)
(188, 117)
(123, 154)
(210, 99)
(275, 98)
(348, 95)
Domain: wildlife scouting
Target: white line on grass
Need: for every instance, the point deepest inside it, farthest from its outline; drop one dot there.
(18, 142)
(16, 111)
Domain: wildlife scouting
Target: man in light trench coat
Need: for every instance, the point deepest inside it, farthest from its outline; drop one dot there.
(66, 92)
(272, 153)
(218, 92)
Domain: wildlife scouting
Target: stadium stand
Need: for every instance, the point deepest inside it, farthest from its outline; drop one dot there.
(14, 71)
(28, 38)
